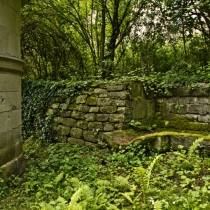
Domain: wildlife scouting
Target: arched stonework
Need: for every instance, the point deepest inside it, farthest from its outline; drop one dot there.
(11, 65)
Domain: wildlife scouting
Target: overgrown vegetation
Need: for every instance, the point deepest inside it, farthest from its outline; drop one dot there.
(77, 39)
(38, 95)
(72, 177)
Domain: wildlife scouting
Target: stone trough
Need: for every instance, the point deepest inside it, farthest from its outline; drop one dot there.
(161, 141)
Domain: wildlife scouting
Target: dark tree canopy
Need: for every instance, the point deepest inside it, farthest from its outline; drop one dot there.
(77, 39)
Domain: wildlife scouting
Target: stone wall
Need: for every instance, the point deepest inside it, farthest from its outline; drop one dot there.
(194, 104)
(11, 156)
(100, 108)
(191, 105)
(105, 108)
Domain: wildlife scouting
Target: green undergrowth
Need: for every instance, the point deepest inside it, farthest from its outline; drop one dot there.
(38, 95)
(63, 176)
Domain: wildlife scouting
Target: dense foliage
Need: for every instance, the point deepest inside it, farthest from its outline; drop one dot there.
(72, 177)
(77, 39)
(37, 97)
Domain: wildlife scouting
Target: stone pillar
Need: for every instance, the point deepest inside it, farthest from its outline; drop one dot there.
(11, 65)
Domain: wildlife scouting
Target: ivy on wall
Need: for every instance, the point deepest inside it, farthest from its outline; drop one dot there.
(37, 96)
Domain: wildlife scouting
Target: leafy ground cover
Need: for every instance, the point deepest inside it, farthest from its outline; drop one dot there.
(62, 176)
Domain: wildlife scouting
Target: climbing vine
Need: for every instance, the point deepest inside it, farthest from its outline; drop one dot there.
(37, 96)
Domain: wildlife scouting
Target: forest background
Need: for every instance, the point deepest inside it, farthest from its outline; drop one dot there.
(105, 39)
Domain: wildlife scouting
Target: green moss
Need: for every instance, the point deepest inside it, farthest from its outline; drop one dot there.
(92, 100)
(127, 132)
(179, 123)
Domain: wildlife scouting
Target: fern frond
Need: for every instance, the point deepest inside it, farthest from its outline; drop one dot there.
(75, 182)
(102, 182)
(61, 200)
(182, 156)
(122, 182)
(149, 170)
(87, 193)
(75, 197)
(145, 175)
(59, 178)
(127, 195)
(48, 186)
(194, 146)
(46, 206)
(112, 207)
(61, 203)
(158, 205)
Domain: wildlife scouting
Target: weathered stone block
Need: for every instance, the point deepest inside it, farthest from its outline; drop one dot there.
(109, 127)
(55, 105)
(69, 122)
(55, 119)
(81, 99)
(73, 107)
(161, 143)
(89, 136)
(108, 109)
(83, 108)
(49, 112)
(186, 100)
(181, 91)
(204, 119)
(76, 141)
(139, 110)
(65, 113)
(95, 125)
(92, 100)
(76, 133)
(8, 138)
(191, 117)
(10, 120)
(77, 115)
(123, 110)
(94, 109)
(10, 101)
(100, 91)
(60, 120)
(10, 82)
(123, 103)
(198, 109)
(82, 124)
(204, 100)
(116, 118)
(63, 106)
(103, 95)
(90, 117)
(102, 117)
(118, 95)
(9, 153)
(136, 91)
(178, 108)
(116, 87)
(200, 92)
(104, 102)
(185, 141)
(63, 130)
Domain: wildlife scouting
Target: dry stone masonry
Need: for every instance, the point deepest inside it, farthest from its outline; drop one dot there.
(104, 108)
(192, 104)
